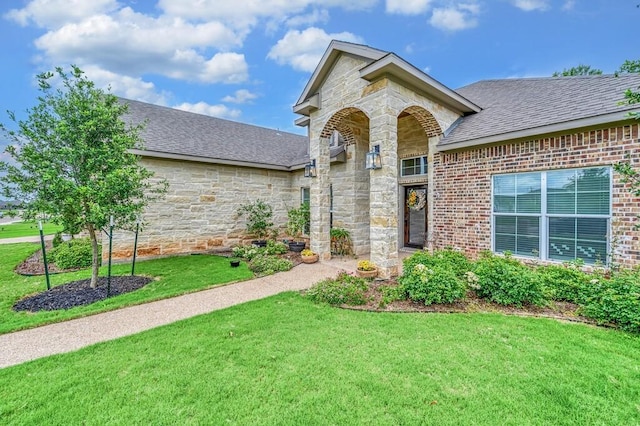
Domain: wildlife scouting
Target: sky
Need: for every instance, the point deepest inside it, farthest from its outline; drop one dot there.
(249, 60)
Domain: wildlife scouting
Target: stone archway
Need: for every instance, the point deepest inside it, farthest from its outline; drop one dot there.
(345, 182)
(417, 128)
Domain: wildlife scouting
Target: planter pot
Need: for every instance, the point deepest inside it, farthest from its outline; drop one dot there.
(367, 274)
(259, 243)
(234, 263)
(297, 246)
(310, 259)
(66, 237)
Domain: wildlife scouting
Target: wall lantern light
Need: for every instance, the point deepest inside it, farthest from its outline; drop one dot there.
(373, 160)
(310, 169)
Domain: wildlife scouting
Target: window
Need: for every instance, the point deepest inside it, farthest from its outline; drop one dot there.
(557, 215)
(413, 166)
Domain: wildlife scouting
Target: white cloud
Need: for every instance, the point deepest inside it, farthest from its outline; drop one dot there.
(127, 87)
(220, 111)
(303, 49)
(460, 17)
(317, 16)
(135, 44)
(568, 5)
(531, 5)
(241, 96)
(407, 7)
(55, 13)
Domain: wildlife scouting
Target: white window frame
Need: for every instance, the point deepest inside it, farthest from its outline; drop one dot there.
(423, 166)
(544, 215)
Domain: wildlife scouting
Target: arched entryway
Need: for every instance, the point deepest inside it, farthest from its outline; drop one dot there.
(343, 183)
(417, 131)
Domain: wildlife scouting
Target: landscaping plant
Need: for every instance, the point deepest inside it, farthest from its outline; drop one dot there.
(344, 289)
(259, 217)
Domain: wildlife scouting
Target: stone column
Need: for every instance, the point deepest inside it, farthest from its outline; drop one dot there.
(320, 193)
(432, 191)
(383, 202)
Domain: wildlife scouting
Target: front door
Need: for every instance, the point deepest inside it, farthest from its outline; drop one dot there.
(415, 216)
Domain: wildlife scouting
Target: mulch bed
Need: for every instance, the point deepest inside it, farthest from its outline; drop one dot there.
(472, 304)
(34, 265)
(80, 293)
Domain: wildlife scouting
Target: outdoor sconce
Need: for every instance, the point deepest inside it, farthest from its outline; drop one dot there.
(310, 169)
(373, 160)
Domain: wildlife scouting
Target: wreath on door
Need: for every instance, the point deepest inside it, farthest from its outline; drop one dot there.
(417, 199)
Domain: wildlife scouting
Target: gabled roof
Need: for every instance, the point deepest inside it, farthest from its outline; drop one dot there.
(379, 64)
(527, 107)
(176, 134)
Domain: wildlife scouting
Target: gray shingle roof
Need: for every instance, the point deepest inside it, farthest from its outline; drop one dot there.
(172, 131)
(513, 105)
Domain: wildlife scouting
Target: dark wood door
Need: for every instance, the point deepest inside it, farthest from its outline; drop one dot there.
(415, 216)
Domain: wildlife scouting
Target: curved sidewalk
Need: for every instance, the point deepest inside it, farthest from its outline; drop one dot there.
(68, 336)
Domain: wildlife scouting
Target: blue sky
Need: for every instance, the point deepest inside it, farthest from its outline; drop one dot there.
(248, 60)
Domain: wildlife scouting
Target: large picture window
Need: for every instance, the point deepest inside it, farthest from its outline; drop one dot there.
(558, 215)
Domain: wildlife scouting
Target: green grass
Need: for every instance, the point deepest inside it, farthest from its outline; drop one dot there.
(175, 275)
(284, 360)
(27, 229)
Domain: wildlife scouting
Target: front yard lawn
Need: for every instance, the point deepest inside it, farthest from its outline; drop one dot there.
(173, 276)
(27, 229)
(285, 360)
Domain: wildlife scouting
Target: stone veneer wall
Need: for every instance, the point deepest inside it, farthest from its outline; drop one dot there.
(462, 180)
(199, 211)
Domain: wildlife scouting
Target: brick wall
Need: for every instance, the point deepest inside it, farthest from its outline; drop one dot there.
(462, 184)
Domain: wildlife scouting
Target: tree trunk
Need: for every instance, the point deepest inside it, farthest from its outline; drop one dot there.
(94, 247)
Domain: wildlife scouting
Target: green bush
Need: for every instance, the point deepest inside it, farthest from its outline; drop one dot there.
(73, 254)
(615, 301)
(263, 264)
(57, 239)
(446, 258)
(432, 284)
(249, 252)
(344, 289)
(275, 247)
(506, 281)
(564, 282)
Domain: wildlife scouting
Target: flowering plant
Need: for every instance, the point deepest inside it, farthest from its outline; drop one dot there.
(417, 199)
(365, 265)
(307, 252)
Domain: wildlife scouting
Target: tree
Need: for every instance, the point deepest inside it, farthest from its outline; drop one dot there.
(72, 159)
(576, 71)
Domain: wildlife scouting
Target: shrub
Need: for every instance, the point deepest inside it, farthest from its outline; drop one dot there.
(340, 242)
(432, 284)
(258, 218)
(615, 301)
(564, 282)
(73, 254)
(344, 289)
(263, 264)
(447, 258)
(506, 281)
(274, 247)
(57, 239)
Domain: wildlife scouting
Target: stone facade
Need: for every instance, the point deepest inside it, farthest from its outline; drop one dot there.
(462, 205)
(367, 114)
(199, 211)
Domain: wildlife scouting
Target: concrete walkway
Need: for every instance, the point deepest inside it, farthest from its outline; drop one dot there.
(68, 336)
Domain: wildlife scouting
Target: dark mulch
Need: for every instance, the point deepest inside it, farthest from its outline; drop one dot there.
(34, 265)
(79, 293)
(557, 310)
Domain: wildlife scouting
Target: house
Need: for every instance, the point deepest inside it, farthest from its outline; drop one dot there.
(520, 165)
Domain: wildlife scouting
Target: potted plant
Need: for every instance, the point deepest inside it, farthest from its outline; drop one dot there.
(309, 256)
(234, 263)
(298, 222)
(366, 269)
(259, 220)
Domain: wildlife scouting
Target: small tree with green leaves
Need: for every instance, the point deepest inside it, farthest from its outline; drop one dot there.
(577, 71)
(73, 161)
